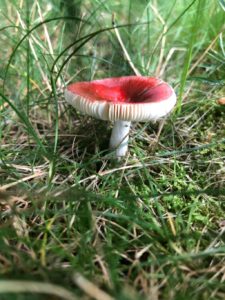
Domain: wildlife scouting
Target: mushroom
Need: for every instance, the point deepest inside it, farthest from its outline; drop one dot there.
(122, 100)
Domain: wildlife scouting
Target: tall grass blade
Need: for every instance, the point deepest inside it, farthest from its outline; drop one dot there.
(27, 124)
(188, 57)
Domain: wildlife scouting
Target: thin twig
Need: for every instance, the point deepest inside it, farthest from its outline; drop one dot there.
(9, 185)
(51, 52)
(45, 79)
(169, 55)
(205, 52)
(90, 289)
(20, 286)
(127, 56)
(162, 38)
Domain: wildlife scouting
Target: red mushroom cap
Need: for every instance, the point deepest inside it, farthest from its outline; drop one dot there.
(127, 98)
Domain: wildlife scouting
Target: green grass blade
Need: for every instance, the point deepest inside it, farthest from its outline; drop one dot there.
(28, 126)
(27, 34)
(188, 57)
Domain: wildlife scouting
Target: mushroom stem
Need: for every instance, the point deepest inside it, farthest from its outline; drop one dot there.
(119, 137)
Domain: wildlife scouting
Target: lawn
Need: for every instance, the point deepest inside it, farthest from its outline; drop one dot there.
(75, 223)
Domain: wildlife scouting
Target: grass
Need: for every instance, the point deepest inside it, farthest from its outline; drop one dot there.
(74, 223)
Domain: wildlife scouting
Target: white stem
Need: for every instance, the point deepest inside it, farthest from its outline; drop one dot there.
(119, 137)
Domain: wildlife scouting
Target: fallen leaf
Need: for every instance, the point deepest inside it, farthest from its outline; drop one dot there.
(221, 101)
